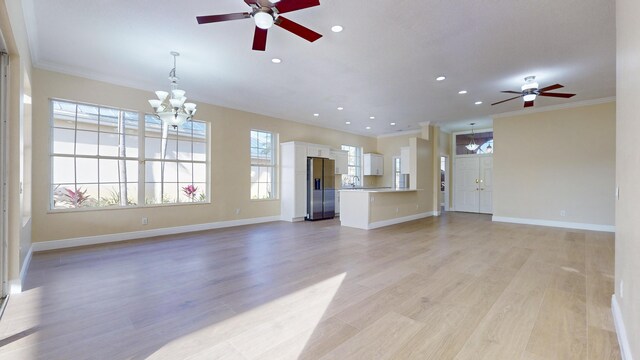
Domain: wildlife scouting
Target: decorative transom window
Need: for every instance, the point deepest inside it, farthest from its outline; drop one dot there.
(354, 166)
(106, 157)
(263, 165)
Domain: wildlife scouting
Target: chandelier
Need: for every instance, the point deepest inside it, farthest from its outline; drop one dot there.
(472, 145)
(170, 107)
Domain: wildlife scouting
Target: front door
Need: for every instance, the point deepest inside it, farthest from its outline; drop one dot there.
(466, 184)
(473, 189)
(486, 185)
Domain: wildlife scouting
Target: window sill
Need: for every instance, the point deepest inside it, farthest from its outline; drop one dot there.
(88, 209)
(264, 200)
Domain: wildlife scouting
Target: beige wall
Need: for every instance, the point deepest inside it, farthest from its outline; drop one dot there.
(422, 175)
(628, 169)
(229, 162)
(390, 146)
(13, 29)
(551, 161)
(444, 147)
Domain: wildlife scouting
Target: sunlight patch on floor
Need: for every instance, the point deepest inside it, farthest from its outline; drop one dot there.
(252, 334)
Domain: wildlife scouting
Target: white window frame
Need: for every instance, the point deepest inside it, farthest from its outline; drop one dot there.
(177, 161)
(140, 159)
(273, 165)
(353, 180)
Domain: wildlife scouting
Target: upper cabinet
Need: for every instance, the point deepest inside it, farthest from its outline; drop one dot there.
(373, 164)
(341, 161)
(318, 151)
(405, 160)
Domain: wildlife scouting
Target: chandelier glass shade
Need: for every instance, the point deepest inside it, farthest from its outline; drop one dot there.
(472, 146)
(171, 107)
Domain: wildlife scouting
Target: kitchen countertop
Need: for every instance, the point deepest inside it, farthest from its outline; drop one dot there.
(378, 190)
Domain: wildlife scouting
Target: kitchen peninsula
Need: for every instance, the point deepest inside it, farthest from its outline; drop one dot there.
(378, 207)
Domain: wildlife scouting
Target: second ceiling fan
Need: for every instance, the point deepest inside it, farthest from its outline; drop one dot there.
(266, 13)
(530, 91)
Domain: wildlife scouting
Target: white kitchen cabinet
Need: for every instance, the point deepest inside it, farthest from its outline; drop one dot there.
(405, 160)
(337, 201)
(341, 161)
(318, 151)
(373, 164)
(293, 191)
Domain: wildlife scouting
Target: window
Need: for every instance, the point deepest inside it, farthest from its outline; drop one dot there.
(175, 162)
(483, 139)
(400, 180)
(354, 166)
(101, 158)
(263, 165)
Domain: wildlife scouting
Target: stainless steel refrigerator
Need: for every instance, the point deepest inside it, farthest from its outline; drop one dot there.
(321, 190)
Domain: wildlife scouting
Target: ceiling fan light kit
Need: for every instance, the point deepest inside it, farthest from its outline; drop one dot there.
(171, 107)
(265, 14)
(529, 92)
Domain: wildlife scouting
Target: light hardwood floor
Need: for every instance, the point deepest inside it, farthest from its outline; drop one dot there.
(452, 287)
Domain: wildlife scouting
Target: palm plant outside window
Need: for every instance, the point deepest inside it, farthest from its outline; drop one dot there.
(107, 157)
(263, 165)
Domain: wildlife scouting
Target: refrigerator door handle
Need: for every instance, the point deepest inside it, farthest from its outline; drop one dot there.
(316, 185)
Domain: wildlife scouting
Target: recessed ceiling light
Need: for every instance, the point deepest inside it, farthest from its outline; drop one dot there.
(393, 124)
(316, 114)
(372, 117)
(478, 102)
(440, 78)
(348, 122)
(336, 29)
(276, 60)
(340, 108)
(368, 128)
(462, 92)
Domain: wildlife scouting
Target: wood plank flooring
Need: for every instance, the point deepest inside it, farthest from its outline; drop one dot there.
(452, 287)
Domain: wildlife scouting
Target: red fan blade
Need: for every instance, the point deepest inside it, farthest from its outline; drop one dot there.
(218, 18)
(500, 102)
(297, 29)
(558, 95)
(260, 39)
(511, 92)
(528, 104)
(550, 88)
(285, 6)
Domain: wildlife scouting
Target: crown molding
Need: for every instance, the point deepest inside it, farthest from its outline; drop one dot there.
(400, 133)
(555, 107)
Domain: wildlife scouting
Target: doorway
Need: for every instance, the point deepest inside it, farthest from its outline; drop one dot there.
(443, 199)
(474, 184)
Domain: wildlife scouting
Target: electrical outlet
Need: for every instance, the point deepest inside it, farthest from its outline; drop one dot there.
(563, 212)
(237, 211)
(417, 206)
(397, 210)
(621, 289)
(145, 221)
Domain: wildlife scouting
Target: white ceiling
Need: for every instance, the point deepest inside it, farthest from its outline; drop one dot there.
(383, 64)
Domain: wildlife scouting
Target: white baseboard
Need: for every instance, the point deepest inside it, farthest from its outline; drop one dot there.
(379, 224)
(560, 224)
(623, 340)
(23, 271)
(103, 239)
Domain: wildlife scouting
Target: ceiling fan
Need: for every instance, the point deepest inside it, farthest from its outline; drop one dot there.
(266, 13)
(530, 91)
